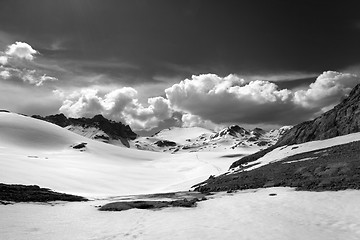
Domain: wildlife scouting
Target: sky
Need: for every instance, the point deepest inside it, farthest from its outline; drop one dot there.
(162, 63)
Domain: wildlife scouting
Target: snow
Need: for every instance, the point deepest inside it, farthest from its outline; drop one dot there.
(250, 214)
(277, 133)
(89, 132)
(196, 139)
(287, 151)
(180, 135)
(301, 160)
(37, 152)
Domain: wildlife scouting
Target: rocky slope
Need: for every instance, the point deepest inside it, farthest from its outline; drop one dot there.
(333, 168)
(341, 120)
(98, 128)
(230, 138)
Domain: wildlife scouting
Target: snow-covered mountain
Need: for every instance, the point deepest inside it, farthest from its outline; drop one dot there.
(173, 140)
(196, 139)
(37, 152)
(321, 154)
(97, 128)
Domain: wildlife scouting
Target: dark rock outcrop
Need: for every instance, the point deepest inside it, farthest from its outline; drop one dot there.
(58, 119)
(79, 146)
(122, 206)
(343, 119)
(258, 132)
(165, 143)
(115, 130)
(329, 169)
(33, 193)
(233, 130)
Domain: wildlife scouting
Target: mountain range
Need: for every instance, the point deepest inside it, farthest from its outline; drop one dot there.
(173, 140)
(321, 154)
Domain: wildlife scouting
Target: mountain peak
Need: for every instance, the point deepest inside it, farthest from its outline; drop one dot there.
(233, 130)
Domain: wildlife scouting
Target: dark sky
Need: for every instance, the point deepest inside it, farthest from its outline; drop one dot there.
(166, 37)
(82, 56)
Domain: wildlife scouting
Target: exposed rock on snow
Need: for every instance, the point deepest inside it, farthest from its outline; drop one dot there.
(343, 119)
(98, 128)
(165, 143)
(38, 152)
(122, 206)
(310, 166)
(33, 193)
(249, 214)
(79, 146)
(196, 139)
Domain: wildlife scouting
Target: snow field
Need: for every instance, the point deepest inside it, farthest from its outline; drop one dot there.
(250, 214)
(36, 152)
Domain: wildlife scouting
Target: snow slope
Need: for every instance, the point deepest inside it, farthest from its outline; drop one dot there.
(37, 152)
(251, 214)
(287, 151)
(180, 135)
(90, 132)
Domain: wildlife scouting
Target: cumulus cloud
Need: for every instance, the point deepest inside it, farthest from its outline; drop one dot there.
(226, 100)
(21, 50)
(13, 68)
(189, 120)
(5, 74)
(120, 104)
(212, 101)
(231, 100)
(3, 60)
(328, 88)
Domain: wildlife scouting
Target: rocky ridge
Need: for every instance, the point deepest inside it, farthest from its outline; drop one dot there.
(98, 128)
(343, 119)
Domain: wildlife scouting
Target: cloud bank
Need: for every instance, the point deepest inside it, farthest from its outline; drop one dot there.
(121, 104)
(209, 100)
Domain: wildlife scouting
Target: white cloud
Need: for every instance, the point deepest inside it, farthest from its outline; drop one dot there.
(45, 78)
(5, 74)
(21, 71)
(120, 104)
(211, 101)
(3, 60)
(189, 120)
(225, 100)
(231, 100)
(21, 50)
(32, 77)
(276, 77)
(328, 87)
